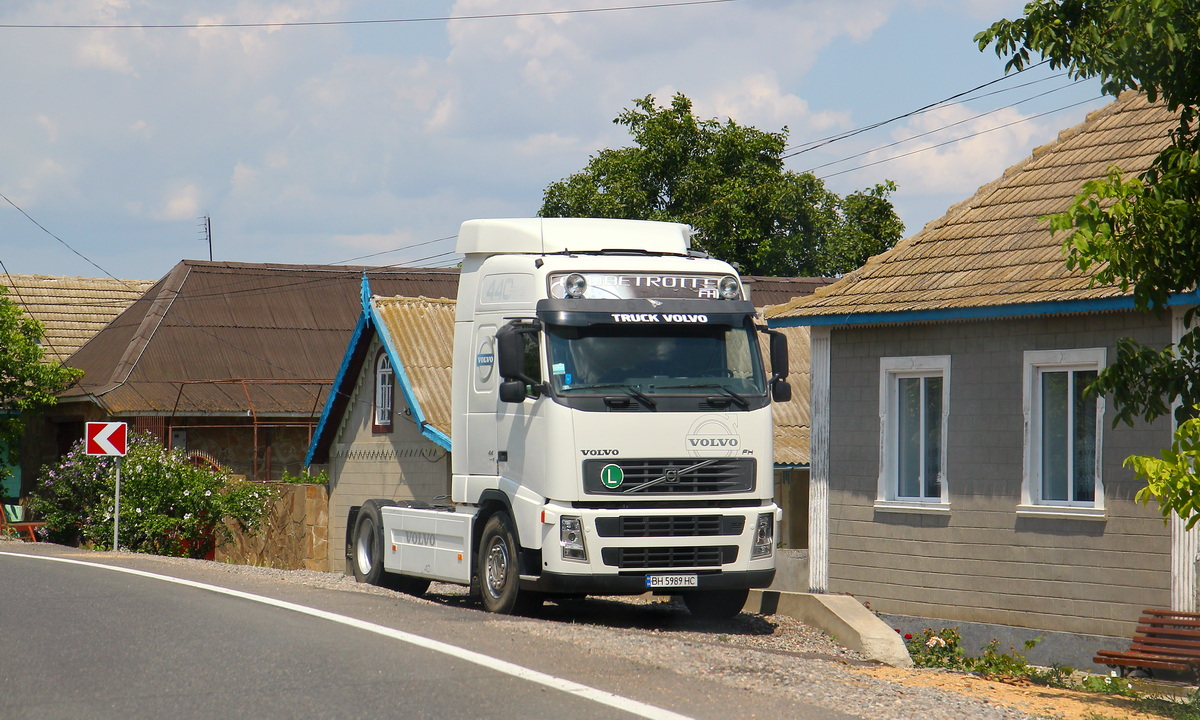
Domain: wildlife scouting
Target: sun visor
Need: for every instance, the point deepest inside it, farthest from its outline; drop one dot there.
(584, 312)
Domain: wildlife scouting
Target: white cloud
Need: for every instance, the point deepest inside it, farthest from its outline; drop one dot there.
(953, 149)
(99, 52)
(181, 203)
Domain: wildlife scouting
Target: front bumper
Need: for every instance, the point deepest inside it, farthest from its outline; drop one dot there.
(625, 584)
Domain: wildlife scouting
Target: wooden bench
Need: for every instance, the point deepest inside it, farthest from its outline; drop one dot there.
(1164, 640)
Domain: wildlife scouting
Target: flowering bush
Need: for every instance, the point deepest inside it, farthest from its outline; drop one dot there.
(168, 506)
(940, 648)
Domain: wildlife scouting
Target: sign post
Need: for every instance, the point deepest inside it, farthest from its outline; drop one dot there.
(110, 438)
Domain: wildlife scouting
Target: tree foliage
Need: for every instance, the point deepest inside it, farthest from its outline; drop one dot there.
(26, 381)
(1141, 232)
(728, 181)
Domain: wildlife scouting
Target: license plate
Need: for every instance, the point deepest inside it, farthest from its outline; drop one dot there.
(671, 581)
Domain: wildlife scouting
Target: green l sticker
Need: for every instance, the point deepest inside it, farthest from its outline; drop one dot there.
(612, 476)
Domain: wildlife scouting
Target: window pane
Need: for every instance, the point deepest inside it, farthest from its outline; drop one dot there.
(1084, 436)
(1054, 436)
(908, 435)
(383, 391)
(933, 437)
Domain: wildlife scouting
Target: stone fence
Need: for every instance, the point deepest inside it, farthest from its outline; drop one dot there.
(294, 536)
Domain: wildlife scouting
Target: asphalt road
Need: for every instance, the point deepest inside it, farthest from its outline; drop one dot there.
(80, 641)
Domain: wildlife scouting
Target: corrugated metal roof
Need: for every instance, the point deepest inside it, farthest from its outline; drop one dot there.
(279, 329)
(422, 335)
(994, 250)
(71, 309)
(766, 291)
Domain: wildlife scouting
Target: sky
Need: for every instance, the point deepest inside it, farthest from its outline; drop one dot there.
(364, 132)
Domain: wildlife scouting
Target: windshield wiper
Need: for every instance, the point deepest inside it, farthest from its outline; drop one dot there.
(632, 391)
(715, 386)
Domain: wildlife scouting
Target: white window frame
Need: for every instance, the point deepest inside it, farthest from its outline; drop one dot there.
(385, 393)
(1035, 363)
(891, 370)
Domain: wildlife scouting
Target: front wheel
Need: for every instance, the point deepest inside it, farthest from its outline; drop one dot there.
(715, 604)
(499, 569)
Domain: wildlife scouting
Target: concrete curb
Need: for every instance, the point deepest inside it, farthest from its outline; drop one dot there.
(842, 617)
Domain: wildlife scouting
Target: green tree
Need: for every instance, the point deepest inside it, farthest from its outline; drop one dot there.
(27, 381)
(1140, 232)
(728, 181)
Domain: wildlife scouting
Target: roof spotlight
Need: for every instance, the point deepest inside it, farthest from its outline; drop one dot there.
(729, 288)
(576, 285)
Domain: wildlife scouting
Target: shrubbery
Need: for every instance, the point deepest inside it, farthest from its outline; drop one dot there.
(168, 506)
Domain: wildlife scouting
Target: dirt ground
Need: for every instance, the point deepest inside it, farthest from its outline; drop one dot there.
(1018, 693)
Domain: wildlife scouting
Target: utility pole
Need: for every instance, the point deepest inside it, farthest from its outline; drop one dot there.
(206, 230)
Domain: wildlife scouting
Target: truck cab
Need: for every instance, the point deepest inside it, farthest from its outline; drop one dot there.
(612, 427)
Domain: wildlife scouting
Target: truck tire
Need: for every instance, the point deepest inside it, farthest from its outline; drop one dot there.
(499, 569)
(715, 604)
(367, 553)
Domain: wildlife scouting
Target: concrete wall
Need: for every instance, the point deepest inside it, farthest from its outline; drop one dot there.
(400, 465)
(981, 562)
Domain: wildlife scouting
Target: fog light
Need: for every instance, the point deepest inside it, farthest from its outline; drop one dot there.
(729, 288)
(764, 536)
(570, 536)
(576, 285)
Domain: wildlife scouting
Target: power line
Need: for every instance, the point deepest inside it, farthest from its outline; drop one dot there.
(813, 145)
(387, 252)
(386, 21)
(60, 240)
(965, 137)
(944, 127)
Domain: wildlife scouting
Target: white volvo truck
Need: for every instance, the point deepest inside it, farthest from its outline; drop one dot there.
(611, 428)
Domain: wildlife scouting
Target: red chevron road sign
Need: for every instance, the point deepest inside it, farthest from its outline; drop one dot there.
(106, 438)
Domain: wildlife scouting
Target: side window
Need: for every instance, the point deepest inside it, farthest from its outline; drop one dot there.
(1063, 432)
(914, 405)
(385, 392)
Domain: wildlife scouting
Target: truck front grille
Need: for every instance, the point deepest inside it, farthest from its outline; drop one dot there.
(670, 526)
(662, 558)
(669, 476)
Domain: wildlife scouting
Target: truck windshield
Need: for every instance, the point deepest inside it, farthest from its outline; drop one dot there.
(676, 359)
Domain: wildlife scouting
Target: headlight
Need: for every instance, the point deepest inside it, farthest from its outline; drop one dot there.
(729, 288)
(570, 537)
(576, 285)
(764, 536)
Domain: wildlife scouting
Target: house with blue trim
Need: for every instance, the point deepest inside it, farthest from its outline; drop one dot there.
(385, 429)
(960, 476)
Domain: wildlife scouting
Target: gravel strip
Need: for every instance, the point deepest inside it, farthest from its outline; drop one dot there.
(772, 654)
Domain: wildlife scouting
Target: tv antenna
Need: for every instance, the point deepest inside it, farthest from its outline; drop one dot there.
(206, 231)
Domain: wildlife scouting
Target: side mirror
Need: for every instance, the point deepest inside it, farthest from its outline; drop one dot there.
(512, 391)
(510, 353)
(781, 392)
(779, 354)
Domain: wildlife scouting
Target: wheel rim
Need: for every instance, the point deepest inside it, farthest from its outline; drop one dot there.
(497, 568)
(364, 547)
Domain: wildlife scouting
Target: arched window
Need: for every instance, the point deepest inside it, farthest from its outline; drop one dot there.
(384, 393)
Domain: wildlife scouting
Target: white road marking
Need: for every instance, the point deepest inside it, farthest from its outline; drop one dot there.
(602, 697)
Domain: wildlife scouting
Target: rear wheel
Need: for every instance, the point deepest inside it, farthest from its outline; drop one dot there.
(716, 604)
(499, 569)
(367, 555)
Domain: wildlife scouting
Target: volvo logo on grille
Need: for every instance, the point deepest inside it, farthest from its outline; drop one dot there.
(712, 436)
